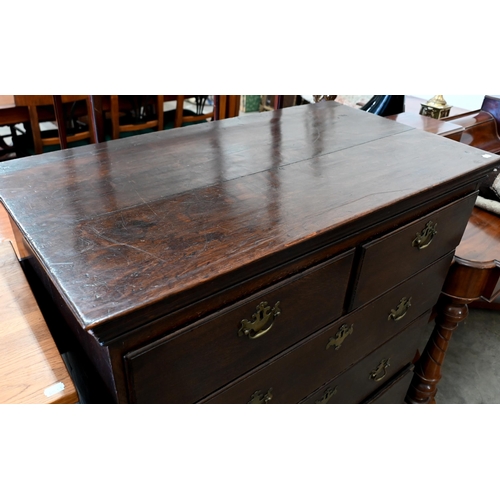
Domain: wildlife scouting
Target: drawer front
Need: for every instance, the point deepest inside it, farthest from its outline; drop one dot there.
(394, 257)
(394, 392)
(335, 348)
(372, 373)
(193, 362)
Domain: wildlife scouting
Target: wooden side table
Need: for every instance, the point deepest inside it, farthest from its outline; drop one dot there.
(446, 129)
(474, 275)
(31, 368)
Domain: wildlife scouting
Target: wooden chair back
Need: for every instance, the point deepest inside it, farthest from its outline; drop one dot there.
(180, 119)
(118, 128)
(225, 106)
(58, 102)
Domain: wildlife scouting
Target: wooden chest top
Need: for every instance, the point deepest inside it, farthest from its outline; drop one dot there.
(147, 224)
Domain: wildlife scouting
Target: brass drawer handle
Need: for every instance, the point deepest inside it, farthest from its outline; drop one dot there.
(340, 336)
(424, 239)
(401, 310)
(255, 328)
(381, 371)
(259, 398)
(327, 396)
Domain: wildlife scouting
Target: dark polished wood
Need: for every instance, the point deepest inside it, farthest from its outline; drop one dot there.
(439, 127)
(474, 275)
(212, 346)
(351, 386)
(450, 224)
(139, 239)
(329, 362)
(395, 390)
(481, 127)
(480, 131)
(212, 188)
(427, 374)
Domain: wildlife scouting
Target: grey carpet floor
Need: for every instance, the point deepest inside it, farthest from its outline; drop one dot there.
(471, 371)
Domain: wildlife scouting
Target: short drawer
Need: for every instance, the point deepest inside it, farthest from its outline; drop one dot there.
(388, 260)
(312, 362)
(394, 392)
(373, 372)
(195, 361)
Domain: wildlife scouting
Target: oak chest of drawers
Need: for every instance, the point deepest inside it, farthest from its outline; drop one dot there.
(291, 256)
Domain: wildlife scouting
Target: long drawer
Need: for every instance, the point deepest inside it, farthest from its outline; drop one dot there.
(332, 350)
(193, 362)
(389, 260)
(394, 392)
(293, 376)
(373, 372)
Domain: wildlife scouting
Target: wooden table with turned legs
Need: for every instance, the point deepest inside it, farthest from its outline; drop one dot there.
(473, 276)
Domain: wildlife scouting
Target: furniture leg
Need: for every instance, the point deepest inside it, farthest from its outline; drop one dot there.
(219, 107)
(423, 388)
(474, 275)
(98, 116)
(93, 127)
(61, 122)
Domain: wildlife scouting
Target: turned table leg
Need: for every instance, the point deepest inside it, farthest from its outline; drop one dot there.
(423, 388)
(474, 274)
(467, 281)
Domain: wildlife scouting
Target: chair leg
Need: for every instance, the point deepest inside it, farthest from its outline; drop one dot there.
(60, 120)
(219, 107)
(159, 111)
(179, 111)
(115, 117)
(278, 101)
(94, 136)
(35, 127)
(234, 106)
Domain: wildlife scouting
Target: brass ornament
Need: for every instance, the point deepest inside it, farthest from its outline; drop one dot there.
(424, 239)
(436, 107)
(381, 371)
(259, 398)
(318, 98)
(329, 393)
(401, 310)
(340, 336)
(255, 328)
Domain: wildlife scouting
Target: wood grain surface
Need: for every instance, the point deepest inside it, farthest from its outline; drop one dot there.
(481, 241)
(31, 368)
(426, 123)
(140, 222)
